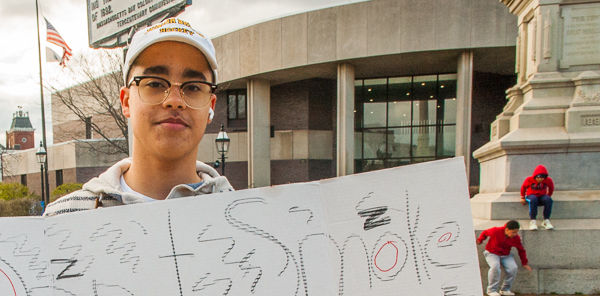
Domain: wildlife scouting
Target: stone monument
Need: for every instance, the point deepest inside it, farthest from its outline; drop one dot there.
(552, 117)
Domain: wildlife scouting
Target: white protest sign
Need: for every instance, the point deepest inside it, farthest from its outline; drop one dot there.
(401, 231)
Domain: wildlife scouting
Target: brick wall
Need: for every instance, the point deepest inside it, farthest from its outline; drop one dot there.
(86, 174)
(16, 137)
(51, 181)
(322, 99)
(11, 179)
(236, 173)
(70, 175)
(289, 106)
(320, 169)
(79, 175)
(34, 183)
(301, 105)
(289, 171)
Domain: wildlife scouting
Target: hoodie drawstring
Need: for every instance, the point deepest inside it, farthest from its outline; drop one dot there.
(98, 202)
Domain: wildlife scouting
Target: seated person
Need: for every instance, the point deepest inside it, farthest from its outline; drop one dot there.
(537, 190)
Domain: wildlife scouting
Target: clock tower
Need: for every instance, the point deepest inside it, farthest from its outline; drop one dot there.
(20, 135)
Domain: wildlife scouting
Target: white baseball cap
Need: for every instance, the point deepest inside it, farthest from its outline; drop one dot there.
(171, 29)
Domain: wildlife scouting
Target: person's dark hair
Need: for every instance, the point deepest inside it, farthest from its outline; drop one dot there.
(512, 224)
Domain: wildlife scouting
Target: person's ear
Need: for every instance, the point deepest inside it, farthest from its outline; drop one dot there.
(212, 104)
(124, 97)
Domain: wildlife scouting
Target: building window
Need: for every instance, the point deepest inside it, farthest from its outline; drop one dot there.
(236, 104)
(59, 177)
(404, 120)
(88, 127)
(24, 180)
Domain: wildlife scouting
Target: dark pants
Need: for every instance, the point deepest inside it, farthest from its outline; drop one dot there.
(535, 201)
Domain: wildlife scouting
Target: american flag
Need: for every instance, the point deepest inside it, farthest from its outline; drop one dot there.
(53, 37)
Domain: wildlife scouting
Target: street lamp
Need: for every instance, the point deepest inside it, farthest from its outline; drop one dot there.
(222, 142)
(41, 157)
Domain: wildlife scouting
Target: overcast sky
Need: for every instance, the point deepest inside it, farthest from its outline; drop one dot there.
(19, 69)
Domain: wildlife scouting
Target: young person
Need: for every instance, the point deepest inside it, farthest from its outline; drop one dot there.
(170, 75)
(537, 190)
(497, 254)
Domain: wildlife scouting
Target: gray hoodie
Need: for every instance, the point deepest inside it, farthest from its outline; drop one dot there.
(106, 190)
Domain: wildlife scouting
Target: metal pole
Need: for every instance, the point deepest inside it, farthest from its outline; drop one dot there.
(37, 16)
(223, 162)
(47, 182)
(43, 196)
(1, 165)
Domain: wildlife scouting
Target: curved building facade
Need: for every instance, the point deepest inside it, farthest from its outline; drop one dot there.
(360, 87)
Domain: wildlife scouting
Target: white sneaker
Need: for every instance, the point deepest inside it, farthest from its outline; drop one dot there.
(507, 293)
(547, 224)
(533, 225)
(493, 294)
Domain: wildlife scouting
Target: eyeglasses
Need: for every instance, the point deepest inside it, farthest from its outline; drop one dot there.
(155, 90)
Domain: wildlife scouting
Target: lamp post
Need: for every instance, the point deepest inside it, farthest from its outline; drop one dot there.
(222, 142)
(41, 157)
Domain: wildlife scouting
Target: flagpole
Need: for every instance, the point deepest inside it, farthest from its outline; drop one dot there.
(37, 15)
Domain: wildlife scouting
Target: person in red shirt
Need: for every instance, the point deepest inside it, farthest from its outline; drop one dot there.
(537, 191)
(497, 254)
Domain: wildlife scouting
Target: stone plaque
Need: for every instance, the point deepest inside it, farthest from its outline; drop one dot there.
(590, 120)
(581, 35)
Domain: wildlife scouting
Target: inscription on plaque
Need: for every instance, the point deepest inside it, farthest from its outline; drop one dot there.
(581, 35)
(590, 120)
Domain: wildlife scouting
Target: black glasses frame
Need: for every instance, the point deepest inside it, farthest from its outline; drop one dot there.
(138, 79)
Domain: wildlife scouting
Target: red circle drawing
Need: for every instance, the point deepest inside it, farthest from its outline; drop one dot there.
(395, 260)
(446, 237)
(11, 283)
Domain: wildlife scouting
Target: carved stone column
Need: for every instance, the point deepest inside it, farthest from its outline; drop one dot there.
(551, 115)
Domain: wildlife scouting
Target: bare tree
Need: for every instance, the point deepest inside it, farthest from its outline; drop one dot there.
(85, 101)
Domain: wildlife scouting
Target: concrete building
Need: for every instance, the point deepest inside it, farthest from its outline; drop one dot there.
(350, 89)
(360, 87)
(68, 162)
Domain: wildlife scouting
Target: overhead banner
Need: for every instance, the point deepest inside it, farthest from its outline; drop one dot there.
(400, 231)
(110, 18)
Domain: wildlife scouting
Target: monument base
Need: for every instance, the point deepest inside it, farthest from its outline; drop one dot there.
(553, 119)
(564, 260)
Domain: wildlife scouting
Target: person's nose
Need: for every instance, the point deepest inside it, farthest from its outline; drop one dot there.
(174, 98)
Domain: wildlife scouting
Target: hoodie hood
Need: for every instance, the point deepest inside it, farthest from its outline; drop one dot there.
(109, 183)
(540, 170)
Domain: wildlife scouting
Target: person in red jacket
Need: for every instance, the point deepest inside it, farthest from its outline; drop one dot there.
(497, 254)
(537, 190)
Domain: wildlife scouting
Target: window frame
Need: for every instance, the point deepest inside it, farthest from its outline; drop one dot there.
(59, 177)
(439, 123)
(88, 128)
(238, 93)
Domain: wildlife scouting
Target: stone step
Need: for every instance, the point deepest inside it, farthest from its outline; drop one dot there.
(559, 224)
(565, 260)
(506, 206)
